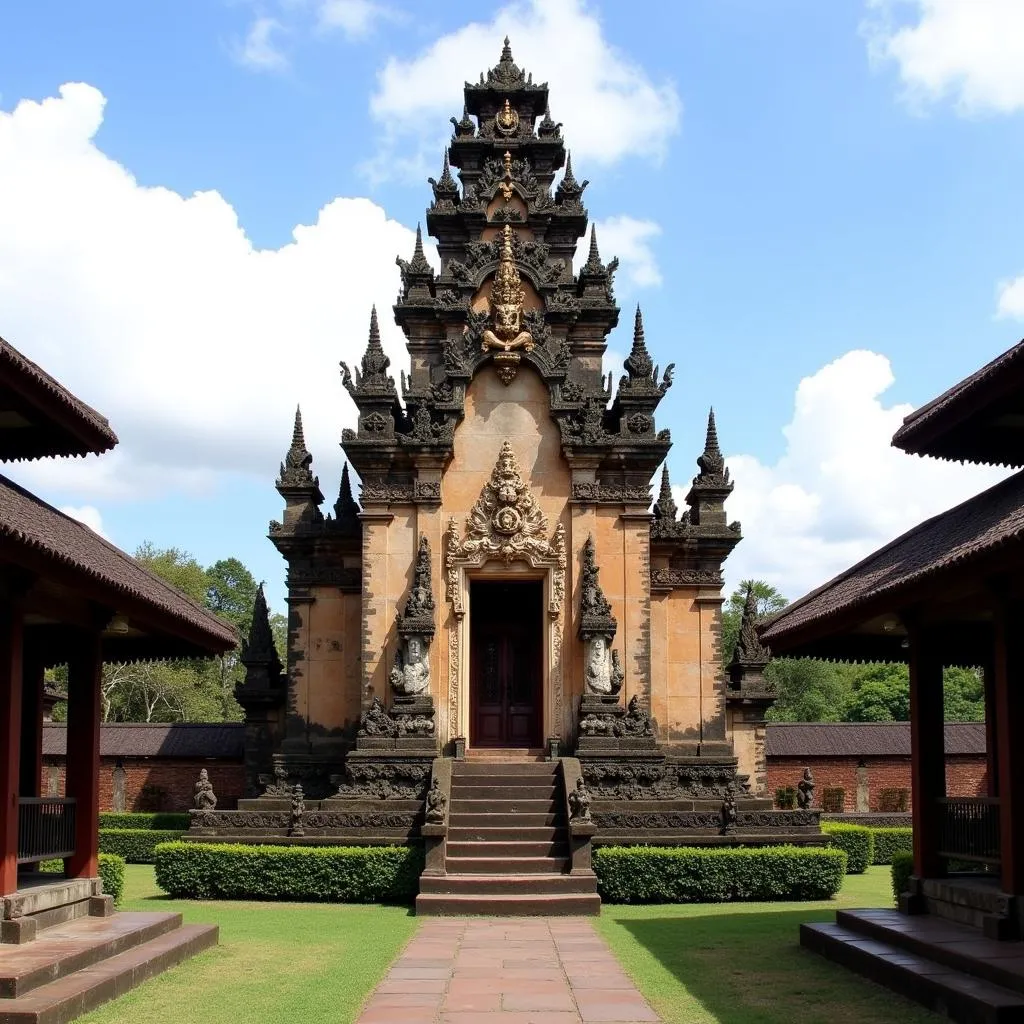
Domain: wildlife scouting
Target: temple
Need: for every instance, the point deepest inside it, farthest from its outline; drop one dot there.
(502, 614)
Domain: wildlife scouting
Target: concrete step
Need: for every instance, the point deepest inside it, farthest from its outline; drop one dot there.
(462, 905)
(62, 950)
(504, 807)
(509, 884)
(484, 865)
(952, 945)
(508, 833)
(476, 819)
(947, 991)
(69, 997)
(507, 850)
(499, 791)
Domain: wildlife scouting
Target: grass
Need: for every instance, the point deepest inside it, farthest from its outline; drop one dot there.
(276, 963)
(741, 963)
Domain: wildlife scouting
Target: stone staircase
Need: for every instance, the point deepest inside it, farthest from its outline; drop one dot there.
(73, 967)
(507, 845)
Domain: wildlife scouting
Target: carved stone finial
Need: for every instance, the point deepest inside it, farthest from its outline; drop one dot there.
(548, 128)
(638, 363)
(665, 507)
(259, 650)
(711, 460)
(749, 651)
(596, 617)
(346, 509)
(295, 470)
(371, 378)
(569, 189)
(593, 264)
(506, 52)
(445, 187)
(466, 128)
(507, 294)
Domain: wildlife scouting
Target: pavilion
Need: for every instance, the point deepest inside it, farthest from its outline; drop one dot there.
(948, 592)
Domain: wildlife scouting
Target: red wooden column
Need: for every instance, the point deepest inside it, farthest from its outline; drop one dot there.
(1009, 716)
(10, 743)
(927, 751)
(31, 726)
(83, 756)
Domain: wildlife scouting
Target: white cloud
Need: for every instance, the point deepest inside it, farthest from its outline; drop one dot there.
(258, 50)
(610, 104)
(969, 50)
(1010, 301)
(840, 490)
(355, 18)
(157, 309)
(87, 514)
(630, 240)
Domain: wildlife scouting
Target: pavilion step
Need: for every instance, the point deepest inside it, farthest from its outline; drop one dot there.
(487, 865)
(480, 765)
(527, 884)
(69, 997)
(499, 791)
(508, 833)
(507, 850)
(505, 807)
(476, 819)
(62, 950)
(952, 945)
(511, 780)
(939, 987)
(465, 905)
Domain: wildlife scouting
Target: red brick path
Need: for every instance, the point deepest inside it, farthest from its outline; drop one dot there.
(506, 971)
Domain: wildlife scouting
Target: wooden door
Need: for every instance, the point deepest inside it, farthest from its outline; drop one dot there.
(506, 688)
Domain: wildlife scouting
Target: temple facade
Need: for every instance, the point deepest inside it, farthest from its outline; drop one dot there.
(503, 589)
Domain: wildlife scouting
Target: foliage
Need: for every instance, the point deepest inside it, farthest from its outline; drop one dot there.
(137, 819)
(879, 693)
(808, 690)
(902, 869)
(785, 798)
(833, 799)
(682, 874)
(769, 601)
(366, 874)
(112, 873)
(893, 800)
(857, 840)
(890, 841)
(135, 845)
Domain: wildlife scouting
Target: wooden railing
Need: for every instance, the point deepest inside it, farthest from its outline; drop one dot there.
(46, 828)
(970, 828)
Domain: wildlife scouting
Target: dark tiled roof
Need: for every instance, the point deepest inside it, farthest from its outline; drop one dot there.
(222, 740)
(27, 522)
(980, 525)
(863, 739)
(950, 426)
(58, 422)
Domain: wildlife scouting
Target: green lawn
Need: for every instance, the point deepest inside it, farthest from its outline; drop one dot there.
(741, 963)
(276, 962)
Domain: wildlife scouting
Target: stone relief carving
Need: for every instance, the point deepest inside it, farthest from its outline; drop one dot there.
(410, 675)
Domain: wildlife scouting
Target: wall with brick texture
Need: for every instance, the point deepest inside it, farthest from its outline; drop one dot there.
(965, 776)
(153, 784)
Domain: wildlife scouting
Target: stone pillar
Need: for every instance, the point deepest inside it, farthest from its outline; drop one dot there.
(636, 617)
(712, 678)
(378, 606)
(988, 673)
(82, 780)
(296, 738)
(1009, 721)
(31, 727)
(10, 743)
(928, 763)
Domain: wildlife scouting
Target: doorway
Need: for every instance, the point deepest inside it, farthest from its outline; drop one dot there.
(506, 663)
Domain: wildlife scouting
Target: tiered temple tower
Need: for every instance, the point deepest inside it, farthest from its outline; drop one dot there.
(505, 589)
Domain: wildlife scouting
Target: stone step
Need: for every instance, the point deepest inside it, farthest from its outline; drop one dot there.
(932, 984)
(69, 997)
(508, 833)
(498, 791)
(62, 950)
(462, 905)
(491, 765)
(526, 884)
(509, 850)
(485, 865)
(476, 819)
(1001, 963)
(505, 807)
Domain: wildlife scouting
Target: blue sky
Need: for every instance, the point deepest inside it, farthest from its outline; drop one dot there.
(799, 181)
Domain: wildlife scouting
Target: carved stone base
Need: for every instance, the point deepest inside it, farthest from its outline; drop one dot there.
(380, 775)
(408, 725)
(604, 724)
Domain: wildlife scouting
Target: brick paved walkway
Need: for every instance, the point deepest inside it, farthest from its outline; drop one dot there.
(506, 971)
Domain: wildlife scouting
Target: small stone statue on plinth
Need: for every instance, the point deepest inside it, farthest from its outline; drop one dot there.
(298, 809)
(437, 803)
(805, 791)
(205, 799)
(728, 811)
(579, 802)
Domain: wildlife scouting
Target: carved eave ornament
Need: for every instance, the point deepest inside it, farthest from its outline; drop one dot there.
(506, 524)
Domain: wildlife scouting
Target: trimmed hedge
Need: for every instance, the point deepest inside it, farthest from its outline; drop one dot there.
(135, 845)
(857, 840)
(341, 874)
(890, 841)
(902, 869)
(136, 819)
(693, 874)
(111, 869)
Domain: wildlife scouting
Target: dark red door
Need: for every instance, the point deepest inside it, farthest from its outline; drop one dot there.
(506, 663)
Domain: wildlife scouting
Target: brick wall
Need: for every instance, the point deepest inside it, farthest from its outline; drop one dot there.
(153, 784)
(965, 775)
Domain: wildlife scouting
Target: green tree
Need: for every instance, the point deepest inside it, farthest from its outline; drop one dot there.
(963, 691)
(808, 690)
(879, 693)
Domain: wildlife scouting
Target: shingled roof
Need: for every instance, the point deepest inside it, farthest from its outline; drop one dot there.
(222, 740)
(863, 739)
(980, 419)
(39, 417)
(978, 528)
(37, 536)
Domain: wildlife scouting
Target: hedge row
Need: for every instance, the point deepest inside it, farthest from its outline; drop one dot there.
(681, 874)
(136, 819)
(111, 868)
(902, 869)
(858, 842)
(135, 845)
(366, 874)
(890, 841)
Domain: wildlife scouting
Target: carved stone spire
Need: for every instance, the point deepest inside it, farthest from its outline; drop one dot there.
(593, 264)
(638, 363)
(296, 483)
(548, 129)
(263, 668)
(569, 189)
(417, 273)
(445, 188)
(371, 379)
(711, 461)
(466, 127)
(711, 486)
(665, 507)
(749, 650)
(596, 617)
(346, 509)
